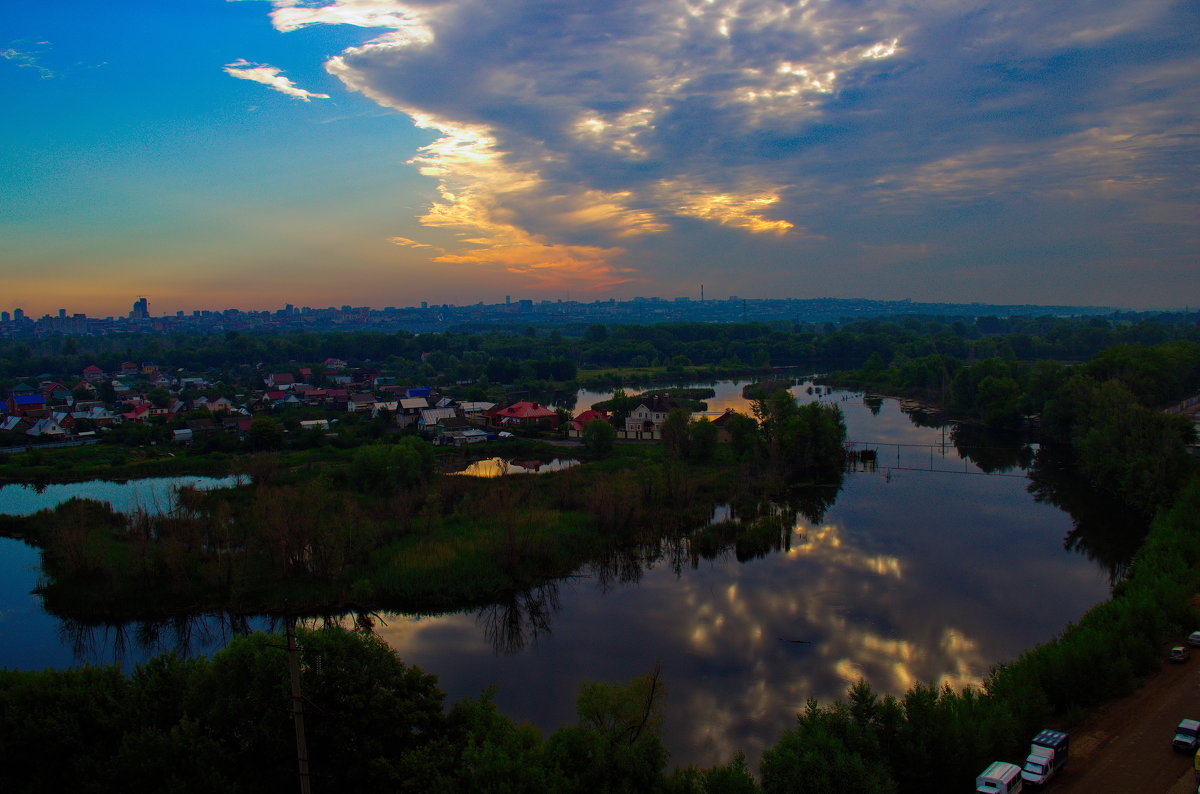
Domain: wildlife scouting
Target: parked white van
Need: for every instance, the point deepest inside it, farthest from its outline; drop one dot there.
(999, 778)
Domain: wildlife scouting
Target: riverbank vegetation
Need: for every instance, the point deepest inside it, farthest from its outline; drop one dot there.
(1106, 412)
(381, 527)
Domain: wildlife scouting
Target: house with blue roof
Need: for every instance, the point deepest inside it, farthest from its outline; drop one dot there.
(22, 404)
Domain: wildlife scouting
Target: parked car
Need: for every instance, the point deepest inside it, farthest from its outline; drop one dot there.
(1187, 736)
(1194, 639)
(1179, 654)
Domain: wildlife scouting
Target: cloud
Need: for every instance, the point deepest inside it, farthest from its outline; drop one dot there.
(600, 127)
(27, 60)
(269, 76)
(407, 243)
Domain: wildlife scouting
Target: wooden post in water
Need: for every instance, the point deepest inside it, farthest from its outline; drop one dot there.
(297, 705)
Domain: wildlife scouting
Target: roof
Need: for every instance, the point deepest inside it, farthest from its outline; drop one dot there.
(431, 416)
(721, 420)
(590, 415)
(526, 410)
(659, 403)
(45, 427)
(28, 399)
(410, 403)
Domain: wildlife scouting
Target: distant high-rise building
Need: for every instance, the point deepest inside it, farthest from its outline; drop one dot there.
(141, 310)
(3, 317)
(18, 314)
(62, 314)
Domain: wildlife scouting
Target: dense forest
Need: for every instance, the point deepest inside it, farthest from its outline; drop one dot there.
(532, 355)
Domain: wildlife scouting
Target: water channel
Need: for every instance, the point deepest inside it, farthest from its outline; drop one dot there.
(925, 569)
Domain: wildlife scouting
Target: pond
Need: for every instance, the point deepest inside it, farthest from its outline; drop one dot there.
(926, 568)
(499, 467)
(32, 639)
(153, 494)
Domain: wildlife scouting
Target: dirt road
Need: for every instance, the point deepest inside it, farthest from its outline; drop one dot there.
(1125, 747)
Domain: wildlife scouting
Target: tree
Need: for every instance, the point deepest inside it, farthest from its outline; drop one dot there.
(159, 396)
(828, 752)
(675, 433)
(743, 436)
(999, 401)
(617, 745)
(265, 434)
(599, 436)
(380, 469)
(702, 440)
(373, 720)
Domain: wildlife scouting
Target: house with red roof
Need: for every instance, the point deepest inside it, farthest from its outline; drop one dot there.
(93, 373)
(138, 413)
(525, 414)
(576, 425)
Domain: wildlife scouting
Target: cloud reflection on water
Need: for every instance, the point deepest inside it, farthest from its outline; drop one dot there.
(923, 577)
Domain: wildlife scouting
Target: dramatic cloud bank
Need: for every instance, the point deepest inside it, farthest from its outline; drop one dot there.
(593, 144)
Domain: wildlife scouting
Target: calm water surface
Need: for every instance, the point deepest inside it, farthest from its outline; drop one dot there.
(31, 639)
(925, 569)
(499, 467)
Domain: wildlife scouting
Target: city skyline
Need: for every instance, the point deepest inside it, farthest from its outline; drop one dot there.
(381, 153)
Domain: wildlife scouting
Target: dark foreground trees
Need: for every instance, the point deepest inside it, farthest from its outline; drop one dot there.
(372, 724)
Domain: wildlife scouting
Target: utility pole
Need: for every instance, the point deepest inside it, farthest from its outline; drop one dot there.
(297, 705)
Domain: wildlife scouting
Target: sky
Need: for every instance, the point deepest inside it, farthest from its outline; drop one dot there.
(213, 154)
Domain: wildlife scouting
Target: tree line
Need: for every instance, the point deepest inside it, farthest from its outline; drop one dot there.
(556, 355)
(1107, 412)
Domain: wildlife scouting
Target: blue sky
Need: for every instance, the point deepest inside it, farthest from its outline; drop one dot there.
(249, 154)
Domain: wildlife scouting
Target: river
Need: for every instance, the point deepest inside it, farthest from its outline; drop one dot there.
(925, 569)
